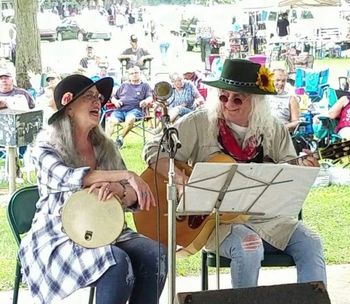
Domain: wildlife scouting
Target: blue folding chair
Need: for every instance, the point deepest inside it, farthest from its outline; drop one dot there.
(314, 82)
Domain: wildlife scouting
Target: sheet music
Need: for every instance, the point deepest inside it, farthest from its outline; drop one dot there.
(275, 189)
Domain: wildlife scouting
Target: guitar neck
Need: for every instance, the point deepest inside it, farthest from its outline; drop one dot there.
(332, 151)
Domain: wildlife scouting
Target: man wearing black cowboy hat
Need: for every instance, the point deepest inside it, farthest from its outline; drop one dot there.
(239, 123)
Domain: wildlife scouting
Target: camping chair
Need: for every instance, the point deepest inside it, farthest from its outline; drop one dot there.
(146, 69)
(314, 82)
(140, 126)
(295, 62)
(20, 212)
(277, 259)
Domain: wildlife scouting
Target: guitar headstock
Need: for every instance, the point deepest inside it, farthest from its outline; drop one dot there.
(336, 150)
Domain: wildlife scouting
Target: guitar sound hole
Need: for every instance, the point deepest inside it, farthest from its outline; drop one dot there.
(195, 221)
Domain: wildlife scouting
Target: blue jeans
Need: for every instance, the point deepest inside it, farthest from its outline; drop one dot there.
(183, 111)
(164, 51)
(121, 116)
(246, 250)
(135, 275)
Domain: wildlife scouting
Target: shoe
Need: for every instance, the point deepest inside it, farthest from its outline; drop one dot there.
(119, 143)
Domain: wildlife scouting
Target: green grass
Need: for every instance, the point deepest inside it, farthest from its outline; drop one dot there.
(326, 210)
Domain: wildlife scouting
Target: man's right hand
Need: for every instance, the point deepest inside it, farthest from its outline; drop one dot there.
(117, 103)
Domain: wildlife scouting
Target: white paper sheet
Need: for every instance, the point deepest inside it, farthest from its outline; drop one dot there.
(276, 189)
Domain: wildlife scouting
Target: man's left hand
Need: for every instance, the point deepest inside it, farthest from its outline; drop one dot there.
(309, 159)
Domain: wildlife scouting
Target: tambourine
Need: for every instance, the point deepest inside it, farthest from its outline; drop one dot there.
(92, 223)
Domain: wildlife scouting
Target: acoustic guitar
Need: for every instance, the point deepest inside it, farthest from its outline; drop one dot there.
(192, 232)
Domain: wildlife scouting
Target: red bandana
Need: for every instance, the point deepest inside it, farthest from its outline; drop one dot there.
(231, 146)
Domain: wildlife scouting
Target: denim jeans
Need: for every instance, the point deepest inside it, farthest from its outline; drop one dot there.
(246, 251)
(164, 51)
(135, 275)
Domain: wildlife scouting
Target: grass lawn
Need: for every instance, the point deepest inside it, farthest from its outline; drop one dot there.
(326, 210)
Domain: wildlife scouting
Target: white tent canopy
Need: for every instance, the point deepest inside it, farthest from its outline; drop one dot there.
(257, 4)
(309, 3)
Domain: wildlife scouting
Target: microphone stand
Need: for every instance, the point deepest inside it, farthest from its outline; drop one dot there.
(170, 144)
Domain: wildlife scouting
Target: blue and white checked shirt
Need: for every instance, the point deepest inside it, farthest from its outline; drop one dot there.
(53, 265)
(185, 96)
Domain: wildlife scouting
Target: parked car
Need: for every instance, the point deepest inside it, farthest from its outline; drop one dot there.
(84, 28)
(47, 24)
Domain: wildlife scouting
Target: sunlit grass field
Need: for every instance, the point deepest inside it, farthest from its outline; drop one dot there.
(326, 210)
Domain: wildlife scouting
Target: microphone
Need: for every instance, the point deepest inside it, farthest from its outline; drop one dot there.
(162, 91)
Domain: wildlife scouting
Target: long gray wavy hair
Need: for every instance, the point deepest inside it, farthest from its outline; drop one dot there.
(60, 135)
(260, 118)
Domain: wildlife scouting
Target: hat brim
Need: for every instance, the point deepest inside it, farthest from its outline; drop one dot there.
(242, 89)
(104, 86)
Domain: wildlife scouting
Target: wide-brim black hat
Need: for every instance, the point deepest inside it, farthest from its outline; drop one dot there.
(241, 75)
(73, 86)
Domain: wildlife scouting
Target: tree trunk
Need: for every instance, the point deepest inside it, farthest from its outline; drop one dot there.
(28, 54)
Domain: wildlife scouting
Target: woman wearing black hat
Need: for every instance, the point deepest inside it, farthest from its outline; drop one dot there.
(239, 123)
(71, 154)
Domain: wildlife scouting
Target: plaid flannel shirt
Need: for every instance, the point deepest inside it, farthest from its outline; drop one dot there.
(53, 265)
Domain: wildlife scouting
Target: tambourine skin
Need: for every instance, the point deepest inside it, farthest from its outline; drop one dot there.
(92, 223)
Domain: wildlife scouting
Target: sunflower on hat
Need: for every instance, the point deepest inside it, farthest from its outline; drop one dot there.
(265, 80)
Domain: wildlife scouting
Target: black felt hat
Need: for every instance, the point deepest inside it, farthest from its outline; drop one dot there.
(241, 75)
(73, 86)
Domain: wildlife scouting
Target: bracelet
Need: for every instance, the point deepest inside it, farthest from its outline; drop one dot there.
(124, 190)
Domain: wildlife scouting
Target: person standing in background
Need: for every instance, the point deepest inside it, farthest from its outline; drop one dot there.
(283, 26)
(164, 43)
(204, 34)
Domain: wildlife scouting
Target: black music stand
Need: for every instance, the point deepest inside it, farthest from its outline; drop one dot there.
(256, 190)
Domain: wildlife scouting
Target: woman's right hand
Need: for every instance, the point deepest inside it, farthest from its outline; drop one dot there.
(144, 195)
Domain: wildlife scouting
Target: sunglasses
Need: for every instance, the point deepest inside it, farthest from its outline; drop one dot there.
(237, 100)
